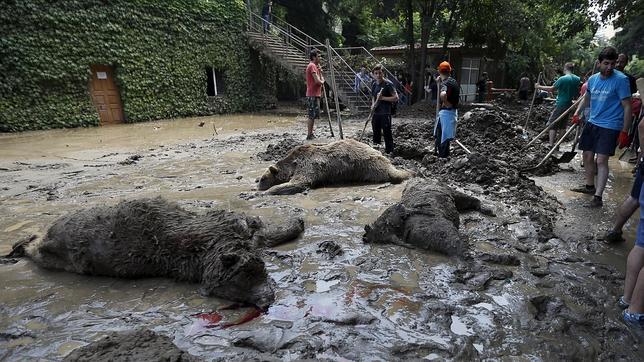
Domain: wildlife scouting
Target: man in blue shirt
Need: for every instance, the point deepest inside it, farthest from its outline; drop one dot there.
(609, 96)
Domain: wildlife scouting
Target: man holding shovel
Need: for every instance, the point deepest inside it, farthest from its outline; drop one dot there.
(610, 120)
(567, 88)
(314, 82)
(445, 126)
(384, 95)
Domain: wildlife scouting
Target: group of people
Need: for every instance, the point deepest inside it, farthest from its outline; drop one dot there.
(384, 97)
(606, 115)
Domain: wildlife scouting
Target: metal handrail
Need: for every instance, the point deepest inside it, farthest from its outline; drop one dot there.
(304, 46)
(387, 72)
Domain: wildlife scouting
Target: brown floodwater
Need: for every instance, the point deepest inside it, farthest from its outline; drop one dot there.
(47, 314)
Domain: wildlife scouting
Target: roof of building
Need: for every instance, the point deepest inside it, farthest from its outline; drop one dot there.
(436, 46)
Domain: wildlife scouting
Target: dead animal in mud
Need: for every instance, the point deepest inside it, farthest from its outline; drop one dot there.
(140, 345)
(426, 217)
(318, 165)
(157, 238)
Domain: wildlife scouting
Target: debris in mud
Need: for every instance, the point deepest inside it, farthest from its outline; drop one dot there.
(140, 345)
(330, 248)
(426, 217)
(131, 160)
(339, 162)
(156, 238)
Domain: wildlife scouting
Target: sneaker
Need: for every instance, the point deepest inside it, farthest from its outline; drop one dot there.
(596, 202)
(622, 303)
(634, 319)
(585, 189)
(614, 237)
(310, 137)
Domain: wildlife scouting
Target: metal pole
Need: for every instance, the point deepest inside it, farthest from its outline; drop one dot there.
(335, 88)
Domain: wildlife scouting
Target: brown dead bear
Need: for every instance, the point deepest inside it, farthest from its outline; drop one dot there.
(157, 238)
(339, 162)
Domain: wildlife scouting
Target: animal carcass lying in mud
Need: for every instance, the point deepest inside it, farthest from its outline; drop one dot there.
(157, 238)
(340, 162)
(426, 217)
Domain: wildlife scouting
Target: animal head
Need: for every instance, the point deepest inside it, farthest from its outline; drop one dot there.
(238, 276)
(273, 176)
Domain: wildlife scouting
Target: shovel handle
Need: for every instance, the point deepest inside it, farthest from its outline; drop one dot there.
(534, 95)
(574, 126)
(553, 123)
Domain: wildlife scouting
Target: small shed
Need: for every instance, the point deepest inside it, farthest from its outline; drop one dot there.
(468, 63)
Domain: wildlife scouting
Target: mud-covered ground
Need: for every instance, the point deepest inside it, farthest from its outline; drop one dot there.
(537, 284)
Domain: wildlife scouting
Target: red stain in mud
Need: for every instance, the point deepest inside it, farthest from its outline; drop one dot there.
(249, 316)
(212, 318)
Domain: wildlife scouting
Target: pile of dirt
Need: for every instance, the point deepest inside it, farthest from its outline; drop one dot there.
(277, 151)
(499, 155)
(141, 345)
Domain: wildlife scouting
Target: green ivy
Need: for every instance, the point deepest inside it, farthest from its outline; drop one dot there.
(158, 48)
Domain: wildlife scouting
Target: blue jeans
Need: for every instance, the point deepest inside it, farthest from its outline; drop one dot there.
(267, 23)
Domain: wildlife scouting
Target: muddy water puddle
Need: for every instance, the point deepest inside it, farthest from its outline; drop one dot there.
(374, 302)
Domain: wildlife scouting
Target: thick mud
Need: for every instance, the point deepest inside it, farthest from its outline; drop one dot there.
(536, 284)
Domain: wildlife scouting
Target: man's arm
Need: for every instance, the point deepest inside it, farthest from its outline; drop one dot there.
(550, 89)
(626, 104)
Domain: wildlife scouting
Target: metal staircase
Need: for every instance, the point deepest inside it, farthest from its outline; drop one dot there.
(289, 46)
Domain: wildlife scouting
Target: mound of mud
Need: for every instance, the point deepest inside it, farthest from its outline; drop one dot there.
(494, 135)
(426, 217)
(140, 345)
(157, 238)
(277, 151)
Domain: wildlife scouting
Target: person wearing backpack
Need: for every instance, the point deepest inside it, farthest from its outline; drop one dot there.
(384, 97)
(445, 126)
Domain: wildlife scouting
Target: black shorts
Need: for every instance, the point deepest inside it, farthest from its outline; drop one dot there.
(313, 107)
(599, 140)
(523, 95)
(558, 111)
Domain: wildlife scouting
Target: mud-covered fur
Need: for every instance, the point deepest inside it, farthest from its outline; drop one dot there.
(426, 217)
(157, 238)
(340, 162)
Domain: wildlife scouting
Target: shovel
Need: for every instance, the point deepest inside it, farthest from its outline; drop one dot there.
(326, 104)
(569, 155)
(574, 127)
(534, 95)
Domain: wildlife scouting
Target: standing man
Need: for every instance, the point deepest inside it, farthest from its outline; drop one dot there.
(610, 119)
(445, 127)
(622, 61)
(481, 87)
(266, 15)
(384, 95)
(314, 81)
(567, 88)
(524, 87)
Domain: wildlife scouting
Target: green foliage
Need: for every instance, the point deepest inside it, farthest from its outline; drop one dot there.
(635, 67)
(159, 49)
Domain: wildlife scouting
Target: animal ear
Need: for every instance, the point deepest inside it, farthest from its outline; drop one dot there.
(229, 260)
(273, 169)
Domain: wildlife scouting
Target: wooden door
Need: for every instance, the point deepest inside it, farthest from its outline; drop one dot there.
(105, 95)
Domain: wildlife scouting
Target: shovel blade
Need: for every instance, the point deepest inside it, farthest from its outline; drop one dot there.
(627, 155)
(566, 157)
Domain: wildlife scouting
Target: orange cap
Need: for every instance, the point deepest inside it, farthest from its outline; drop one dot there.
(444, 67)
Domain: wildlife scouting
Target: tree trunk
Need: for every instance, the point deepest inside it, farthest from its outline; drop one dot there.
(427, 20)
(411, 43)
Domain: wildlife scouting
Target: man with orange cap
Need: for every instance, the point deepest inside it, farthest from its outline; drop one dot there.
(445, 126)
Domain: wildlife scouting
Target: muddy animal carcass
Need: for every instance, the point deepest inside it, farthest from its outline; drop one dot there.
(157, 238)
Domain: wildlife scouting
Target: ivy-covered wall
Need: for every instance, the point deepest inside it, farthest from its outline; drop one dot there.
(159, 50)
